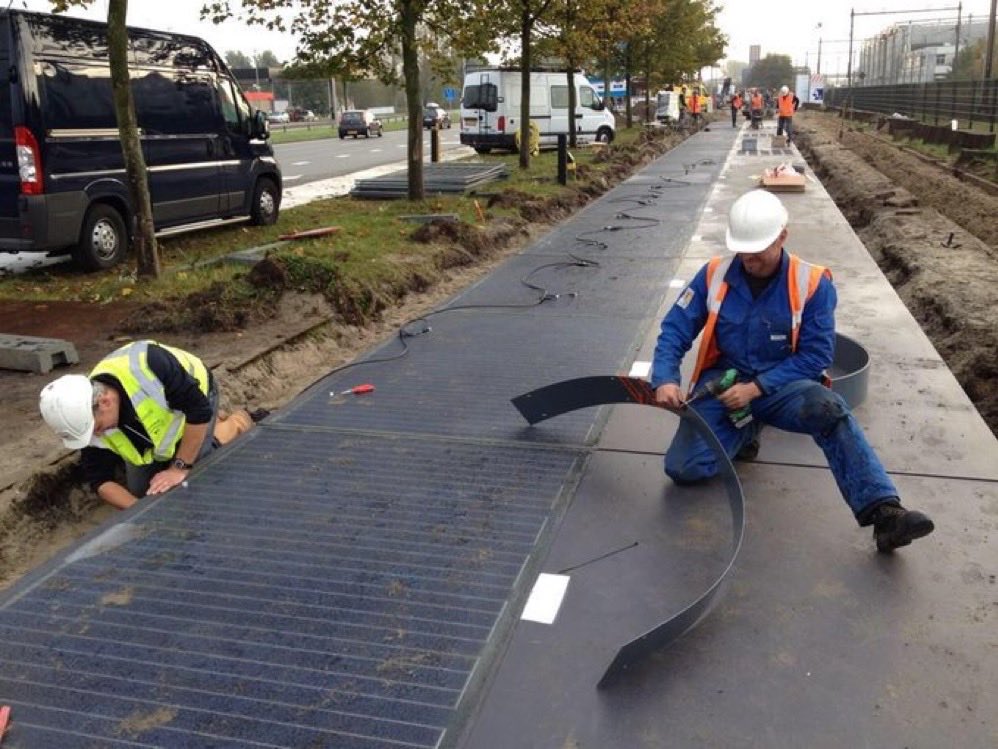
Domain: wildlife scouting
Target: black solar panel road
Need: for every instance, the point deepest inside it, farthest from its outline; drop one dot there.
(348, 573)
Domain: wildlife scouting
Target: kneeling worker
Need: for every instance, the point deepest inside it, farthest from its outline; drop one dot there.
(771, 317)
(153, 406)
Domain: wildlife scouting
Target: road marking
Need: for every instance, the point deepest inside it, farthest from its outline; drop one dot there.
(375, 150)
(301, 163)
(343, 156)
(402, 145)
(545, 598)
(292, 177)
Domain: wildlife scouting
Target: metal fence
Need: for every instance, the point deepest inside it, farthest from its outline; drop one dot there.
(974, 104)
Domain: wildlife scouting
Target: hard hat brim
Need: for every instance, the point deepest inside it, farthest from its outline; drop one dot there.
(78, 443)
(742, 246)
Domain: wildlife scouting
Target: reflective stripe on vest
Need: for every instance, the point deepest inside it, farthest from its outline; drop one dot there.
(786, 105)
(802, 281)
(130, 366)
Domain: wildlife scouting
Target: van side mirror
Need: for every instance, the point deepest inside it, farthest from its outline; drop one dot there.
(598, 104)
(261, 127)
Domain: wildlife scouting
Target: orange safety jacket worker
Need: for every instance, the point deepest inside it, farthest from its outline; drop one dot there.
(737, 102)
(786, 105)
(693, 102)
(757, 101)
(802, 281)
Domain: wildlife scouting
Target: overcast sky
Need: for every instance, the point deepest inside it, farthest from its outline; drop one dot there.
(779, 26)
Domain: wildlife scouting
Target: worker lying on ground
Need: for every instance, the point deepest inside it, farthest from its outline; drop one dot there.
(153, 406)
(780, 349)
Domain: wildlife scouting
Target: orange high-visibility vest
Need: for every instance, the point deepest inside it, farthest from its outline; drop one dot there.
(757, 101)
(802, 281)
(786, 105)
(693, 102)
(736, 103)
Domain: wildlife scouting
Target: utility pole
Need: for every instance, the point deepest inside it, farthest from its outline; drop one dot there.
(819, 53)
(852, 21)
(991, 41)
(956, 51)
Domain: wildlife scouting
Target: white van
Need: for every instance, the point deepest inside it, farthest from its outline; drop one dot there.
(490, 109)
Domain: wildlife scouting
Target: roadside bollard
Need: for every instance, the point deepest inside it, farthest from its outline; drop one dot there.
(435, 144)
(562, 159)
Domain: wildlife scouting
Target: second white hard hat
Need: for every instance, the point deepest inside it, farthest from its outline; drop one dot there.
(755, 221)
(67, 406)
(784, 91)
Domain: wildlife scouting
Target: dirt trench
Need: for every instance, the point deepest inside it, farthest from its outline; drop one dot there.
(934, 237)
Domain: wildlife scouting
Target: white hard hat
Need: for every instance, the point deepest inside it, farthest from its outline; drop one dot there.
(755, 221)
(67, 406)
(784, 91)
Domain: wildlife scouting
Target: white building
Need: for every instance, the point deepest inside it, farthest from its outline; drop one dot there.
(914, 52)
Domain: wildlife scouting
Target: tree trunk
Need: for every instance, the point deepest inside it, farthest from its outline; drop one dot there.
(526, 22)
(410, 71)
(144, 240)
(627, 85)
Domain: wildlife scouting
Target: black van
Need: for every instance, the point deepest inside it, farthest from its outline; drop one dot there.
(62, 175)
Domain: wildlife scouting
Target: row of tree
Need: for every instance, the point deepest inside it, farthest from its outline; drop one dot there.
(660, 40)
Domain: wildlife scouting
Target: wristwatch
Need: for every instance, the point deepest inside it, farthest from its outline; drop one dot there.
(182, 464)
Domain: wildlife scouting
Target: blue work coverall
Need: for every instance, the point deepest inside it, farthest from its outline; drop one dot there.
(753, 336)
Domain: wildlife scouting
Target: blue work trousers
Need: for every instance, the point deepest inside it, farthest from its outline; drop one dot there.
(804, 407)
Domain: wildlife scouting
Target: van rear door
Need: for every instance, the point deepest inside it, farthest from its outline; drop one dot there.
(10, 182)
(479, 103)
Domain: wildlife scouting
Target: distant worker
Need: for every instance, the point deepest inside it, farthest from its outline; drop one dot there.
(756, 105)
(695, 106)
(682, 104)
(152, 406)
(787, 103)
(736, 107)
(770, 316)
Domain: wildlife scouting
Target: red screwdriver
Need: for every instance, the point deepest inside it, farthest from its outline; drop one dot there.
(358, 389)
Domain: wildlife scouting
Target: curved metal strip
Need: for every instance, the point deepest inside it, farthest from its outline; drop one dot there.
(585, 392)
(850, 370)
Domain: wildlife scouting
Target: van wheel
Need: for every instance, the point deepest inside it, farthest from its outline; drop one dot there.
(103, 239)
(483, 149)
(604, 135)
(266, 203)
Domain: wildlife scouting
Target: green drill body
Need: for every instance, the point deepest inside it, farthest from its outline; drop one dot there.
(715, 387)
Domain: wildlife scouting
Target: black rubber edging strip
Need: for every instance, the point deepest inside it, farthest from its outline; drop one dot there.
(585, 392)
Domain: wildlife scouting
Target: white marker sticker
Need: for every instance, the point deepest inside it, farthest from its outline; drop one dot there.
(545, 599)
(677, 283)
(640, 369)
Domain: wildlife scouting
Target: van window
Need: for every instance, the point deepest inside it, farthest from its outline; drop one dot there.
(559, 97)
(484, 96)
(587, 97)
(66, 38)
(164, 51)
(176, 104)
(229, 111)
(76, 96)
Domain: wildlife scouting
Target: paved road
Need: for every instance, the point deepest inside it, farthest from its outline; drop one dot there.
(302, 163)
(321, 159)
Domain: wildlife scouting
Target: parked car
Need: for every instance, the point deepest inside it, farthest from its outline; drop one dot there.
(435, 116)
(360, 122)
(301, 115)
(63, 185)
(278, 118)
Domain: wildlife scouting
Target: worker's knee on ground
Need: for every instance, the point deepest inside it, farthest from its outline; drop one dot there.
(684, 472)
(822, 409)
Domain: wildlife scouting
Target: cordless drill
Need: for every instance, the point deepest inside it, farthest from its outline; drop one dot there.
(715, 387)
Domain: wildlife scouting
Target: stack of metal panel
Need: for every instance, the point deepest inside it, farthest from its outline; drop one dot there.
(437, 179)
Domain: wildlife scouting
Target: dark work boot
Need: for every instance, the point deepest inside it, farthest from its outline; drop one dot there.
(894, 526)
(748, 451)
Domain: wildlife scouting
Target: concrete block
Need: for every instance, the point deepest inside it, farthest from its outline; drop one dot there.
(39, 355)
